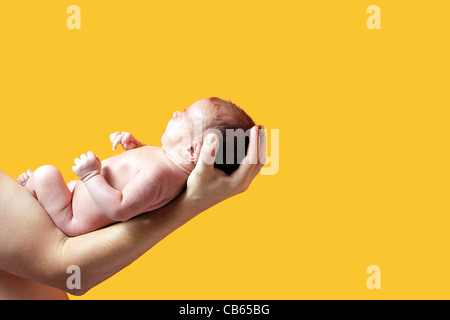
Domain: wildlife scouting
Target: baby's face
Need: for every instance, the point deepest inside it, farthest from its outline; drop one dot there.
(186, 125)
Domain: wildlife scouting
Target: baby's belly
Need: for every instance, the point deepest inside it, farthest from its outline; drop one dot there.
(87, 214)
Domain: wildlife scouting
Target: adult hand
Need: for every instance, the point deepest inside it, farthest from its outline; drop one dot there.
(207, 186)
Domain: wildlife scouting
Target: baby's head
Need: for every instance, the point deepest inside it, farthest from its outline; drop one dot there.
(186, 130)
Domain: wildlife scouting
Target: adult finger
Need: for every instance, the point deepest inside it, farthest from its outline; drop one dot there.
(253, 152)
(208, 153)
(262, 152)
(249, 162)
(262, 145)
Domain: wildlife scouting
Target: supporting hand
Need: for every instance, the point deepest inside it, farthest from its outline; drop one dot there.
(207, 185)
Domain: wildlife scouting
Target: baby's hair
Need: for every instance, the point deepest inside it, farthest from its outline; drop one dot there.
(226, 116)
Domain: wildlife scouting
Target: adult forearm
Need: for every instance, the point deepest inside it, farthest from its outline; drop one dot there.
(102, 253)
(32, 247)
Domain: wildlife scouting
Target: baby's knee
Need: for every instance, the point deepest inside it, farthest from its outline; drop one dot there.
(46, 173)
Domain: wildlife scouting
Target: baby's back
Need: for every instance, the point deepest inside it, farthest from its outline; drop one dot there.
(146, 171)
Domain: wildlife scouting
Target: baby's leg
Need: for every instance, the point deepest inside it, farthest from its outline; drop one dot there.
(47, 184)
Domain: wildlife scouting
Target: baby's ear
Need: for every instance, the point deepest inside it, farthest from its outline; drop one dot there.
(194, 152)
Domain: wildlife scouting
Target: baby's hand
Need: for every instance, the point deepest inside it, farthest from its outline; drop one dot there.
(87, 166)
(125, 139)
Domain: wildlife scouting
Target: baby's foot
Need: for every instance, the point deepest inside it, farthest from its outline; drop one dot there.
(24, 177)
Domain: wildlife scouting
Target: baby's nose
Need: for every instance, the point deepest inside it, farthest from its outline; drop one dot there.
(176, 114)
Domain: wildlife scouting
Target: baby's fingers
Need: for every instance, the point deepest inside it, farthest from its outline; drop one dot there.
(113, 136)
(126, 137)
(77, 165)
(90, 154)
(128, 141)
(117, 140)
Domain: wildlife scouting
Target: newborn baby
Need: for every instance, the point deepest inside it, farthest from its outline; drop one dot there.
(139, 180)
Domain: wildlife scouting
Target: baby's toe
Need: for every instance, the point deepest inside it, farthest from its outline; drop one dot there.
(23, 178)
(20, 179)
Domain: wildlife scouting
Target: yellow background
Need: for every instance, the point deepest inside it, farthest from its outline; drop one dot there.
(363, 118)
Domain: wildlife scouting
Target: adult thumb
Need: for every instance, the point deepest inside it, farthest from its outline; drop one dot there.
(208, 152)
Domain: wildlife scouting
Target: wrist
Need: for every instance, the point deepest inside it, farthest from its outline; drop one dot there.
(90, 176)
(197, 203)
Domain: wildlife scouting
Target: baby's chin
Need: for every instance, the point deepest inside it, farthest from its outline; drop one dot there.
(167, 144)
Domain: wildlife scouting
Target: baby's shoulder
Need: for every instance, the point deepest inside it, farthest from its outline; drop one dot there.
(154, 163)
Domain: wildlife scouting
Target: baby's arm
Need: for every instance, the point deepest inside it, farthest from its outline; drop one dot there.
(136, 198)
(125, 139)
